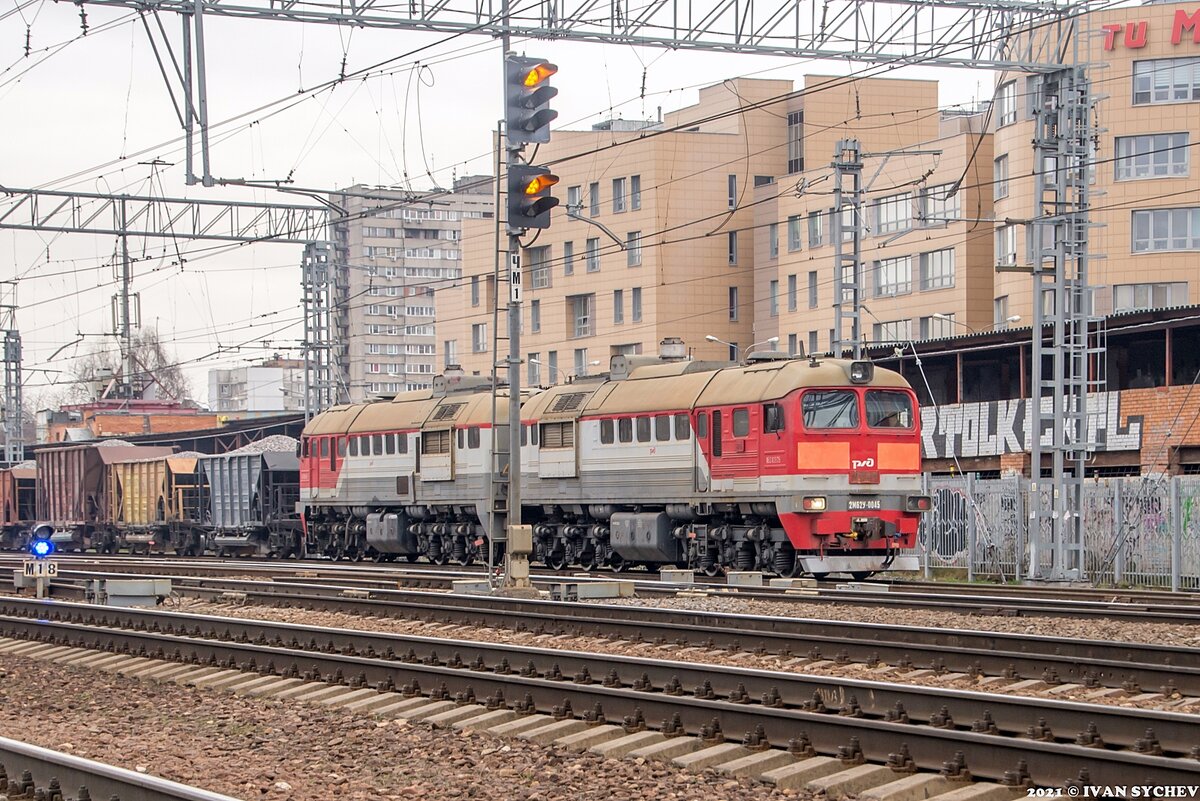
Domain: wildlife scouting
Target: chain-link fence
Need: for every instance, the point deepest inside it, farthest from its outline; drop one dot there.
(1137, 531)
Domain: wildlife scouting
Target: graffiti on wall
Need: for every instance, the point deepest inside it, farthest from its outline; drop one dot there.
(998, 427)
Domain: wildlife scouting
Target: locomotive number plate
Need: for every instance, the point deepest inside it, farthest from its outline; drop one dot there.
(859, 504)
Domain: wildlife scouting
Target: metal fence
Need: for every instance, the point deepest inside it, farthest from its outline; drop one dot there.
(1137, 531)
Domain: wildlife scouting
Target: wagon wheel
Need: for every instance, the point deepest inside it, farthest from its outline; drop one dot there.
(861, 575)
(556, 560)
(820, 576)
(617, 563)
(412, 557)
(588, 560)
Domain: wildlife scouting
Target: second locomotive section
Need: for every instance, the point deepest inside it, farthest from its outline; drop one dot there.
(783, 465)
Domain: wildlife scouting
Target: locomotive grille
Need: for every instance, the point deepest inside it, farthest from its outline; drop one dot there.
(558, 435)
(447, 412)
(569, 402)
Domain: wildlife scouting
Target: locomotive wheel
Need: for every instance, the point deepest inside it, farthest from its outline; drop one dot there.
(378, 557)
(861, 575)
(412, 557)
(356, 555)
(713, 570)
(556, 560)
(617, 563)
(820, 576)
(441, 559)
(588, 560)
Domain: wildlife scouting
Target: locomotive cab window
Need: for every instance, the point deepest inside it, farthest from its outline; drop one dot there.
(741, 422)
(625, 429)
(324, 446)
(772, 418)
(889, 409)
(683, 429)
(606, 432)
(662, 428)
(702, 425)
(833, 408)
(643, 429)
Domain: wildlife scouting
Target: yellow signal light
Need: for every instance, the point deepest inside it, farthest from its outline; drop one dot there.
(540, 183)
(539, 73)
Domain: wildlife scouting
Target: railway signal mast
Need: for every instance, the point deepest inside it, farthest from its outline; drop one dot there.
(527, 118)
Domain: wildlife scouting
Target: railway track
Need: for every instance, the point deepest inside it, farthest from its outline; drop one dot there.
(1015, 601)
(27, 771)
(1004, 738)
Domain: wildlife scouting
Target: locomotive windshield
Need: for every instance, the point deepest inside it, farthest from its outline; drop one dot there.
(834, 408)
(889, 409)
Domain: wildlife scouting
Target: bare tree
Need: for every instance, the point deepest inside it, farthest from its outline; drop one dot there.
(156, 372)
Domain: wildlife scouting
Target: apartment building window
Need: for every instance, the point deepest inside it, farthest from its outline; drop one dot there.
(773, 298)
(474, 290)
(812, 342)
(635, 304)
(582, 308)
(581, 362)
(793, 291)
(1000, 178)
(618, 306)
(479, 338)
(592, 255)
(1166, 229)
(733, 303)
(773, 240)
(633, 248)
(793, 233)
(635, 192)
(1166, 80)
(618, 195)
(1000, 313)
(1006, 104)
(574, 199)
(938, 206)
(894, 331)
(1006, 245)
(1134, 297)
(534, 377)
(937, 326)
(733, 248)
(552, 366)
(793, 342)
(815, 230)
(568, 258)
(893, 276)
(535, 316)
(937, 269)
(1152, 156)
(795, 135)
(594, 199)
(893, 214)
(812, 289)
(450, 351)
(731, 187)
(539, 267)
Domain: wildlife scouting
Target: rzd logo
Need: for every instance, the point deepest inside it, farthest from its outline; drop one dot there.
(857, 464)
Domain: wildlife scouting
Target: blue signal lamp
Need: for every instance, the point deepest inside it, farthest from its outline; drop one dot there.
(41, 548)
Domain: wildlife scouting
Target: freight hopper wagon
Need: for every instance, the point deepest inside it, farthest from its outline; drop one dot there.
(18, 504)
(156, 503)
(74, 489)
(250, 502)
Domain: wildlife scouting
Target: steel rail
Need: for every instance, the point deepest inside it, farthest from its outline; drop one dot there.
(1053, 659)
(985, 754)
(53, 769)
(1011, 714)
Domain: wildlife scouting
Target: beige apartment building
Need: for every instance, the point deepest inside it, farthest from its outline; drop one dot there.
(653, 238)
(1145, 239)
(391, 265)
(926, 226)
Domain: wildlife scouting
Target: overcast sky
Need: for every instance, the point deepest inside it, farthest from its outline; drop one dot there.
(82, 116)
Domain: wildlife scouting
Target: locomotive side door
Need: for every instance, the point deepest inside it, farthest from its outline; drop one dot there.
(735, 442)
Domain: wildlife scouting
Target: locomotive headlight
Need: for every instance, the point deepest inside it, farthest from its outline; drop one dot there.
(813, 503)
(861, 372)
(918, 503)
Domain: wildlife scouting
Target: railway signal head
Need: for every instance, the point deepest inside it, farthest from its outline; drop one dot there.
(529, 200)
(41, 548)
(528, 92)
